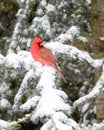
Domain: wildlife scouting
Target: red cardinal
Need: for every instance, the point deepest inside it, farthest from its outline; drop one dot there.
(44, 55)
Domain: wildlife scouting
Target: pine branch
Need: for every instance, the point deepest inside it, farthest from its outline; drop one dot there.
(98, 88)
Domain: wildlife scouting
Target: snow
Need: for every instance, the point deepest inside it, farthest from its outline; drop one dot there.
(74, 31)
(22, 1)
(74, 53)
(88, 2)
(22, 58)
(60, 121)
(31, 103)
(101, 38)
(53, 103)
(94, 93)
(69, 35)
(23, 89)
(85, 107)
(12, 60)
(47, 90)
(95, 126)
(40, 12)
(83, 39)
(4, 124)
(26, 59)
(50, 98)
(41, 23)
(4, 104)
(50, 7)
(50, 104)
(2, 59)
(64, 37)
(43, 3)
(40, 85)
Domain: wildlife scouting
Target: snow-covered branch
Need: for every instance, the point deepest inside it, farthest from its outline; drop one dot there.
(39, 89)
(16, 62)
(98, 88)
(4, 124)
(95, 126)
(32, 94)
(19, 30)
(73, 52)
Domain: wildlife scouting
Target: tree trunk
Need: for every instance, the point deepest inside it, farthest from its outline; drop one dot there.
(98, 31)
(98, 17)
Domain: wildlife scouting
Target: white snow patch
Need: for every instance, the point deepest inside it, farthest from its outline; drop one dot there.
(39, 23)
(60, 121)
(101, 38)
(43, 3)
(26, 59)
(12, 60)
(74, 31)
(64, 38)
(16, 61)
(22, 1)
(2, 59)
(95, 91)
(50, 7)
(47, 77)
(23, 88)
(40, 11)
(51, 99)
(69, 35)
(83, 39)
(74, 53)
(4, 124)
(4, 104)
(95, 126)
(31, 103)
(85, 107)
(88, 2)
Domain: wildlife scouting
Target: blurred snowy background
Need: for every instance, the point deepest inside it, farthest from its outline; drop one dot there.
(34, 97)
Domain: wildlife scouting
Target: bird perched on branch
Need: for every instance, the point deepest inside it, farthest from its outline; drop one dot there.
(44, 55)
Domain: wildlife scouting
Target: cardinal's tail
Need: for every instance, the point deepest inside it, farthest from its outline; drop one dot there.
(60, 73)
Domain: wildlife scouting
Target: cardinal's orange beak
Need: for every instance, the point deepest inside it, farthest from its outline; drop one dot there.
(41, 44)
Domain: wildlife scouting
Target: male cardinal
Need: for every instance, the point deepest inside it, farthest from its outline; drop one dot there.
(44, 55)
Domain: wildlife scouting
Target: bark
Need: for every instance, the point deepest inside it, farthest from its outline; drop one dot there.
(98, 31)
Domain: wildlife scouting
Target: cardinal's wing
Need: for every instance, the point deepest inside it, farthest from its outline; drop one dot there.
(47, 55)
